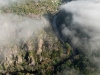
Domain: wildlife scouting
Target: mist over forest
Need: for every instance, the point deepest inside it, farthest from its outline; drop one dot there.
(49, 37)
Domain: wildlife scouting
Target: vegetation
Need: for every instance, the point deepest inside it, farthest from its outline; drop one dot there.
(31, 6)
(55, 57)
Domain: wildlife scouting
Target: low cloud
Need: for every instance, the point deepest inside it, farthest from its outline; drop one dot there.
(84, 28)
(85, 16)
(14, 27)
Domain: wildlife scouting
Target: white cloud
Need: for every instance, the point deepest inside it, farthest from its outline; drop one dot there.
(86, 14)
(86, 17)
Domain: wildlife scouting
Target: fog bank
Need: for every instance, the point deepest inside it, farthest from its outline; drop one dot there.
(84, 28)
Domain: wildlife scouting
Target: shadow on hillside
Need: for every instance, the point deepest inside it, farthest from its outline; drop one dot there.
(64, 19)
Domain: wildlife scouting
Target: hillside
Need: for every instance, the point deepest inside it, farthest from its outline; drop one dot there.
(33, 42)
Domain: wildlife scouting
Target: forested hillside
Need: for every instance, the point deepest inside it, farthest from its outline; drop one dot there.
(32, 45)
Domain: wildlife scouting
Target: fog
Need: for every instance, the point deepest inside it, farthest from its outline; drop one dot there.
(85, 16)
(6, 3)
(16, 30)
(84, 28)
